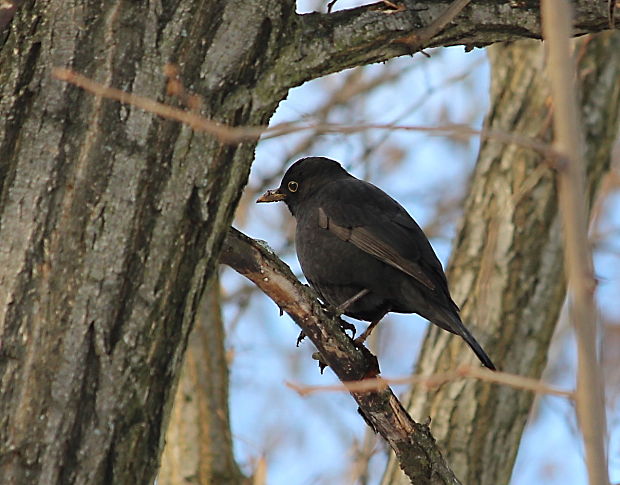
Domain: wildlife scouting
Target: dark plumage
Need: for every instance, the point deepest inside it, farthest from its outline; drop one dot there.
(361, 250)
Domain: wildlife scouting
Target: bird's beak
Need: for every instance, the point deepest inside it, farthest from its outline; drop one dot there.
(273, 195)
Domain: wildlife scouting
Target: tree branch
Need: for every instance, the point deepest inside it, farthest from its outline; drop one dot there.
(412, 442)
(323, 43)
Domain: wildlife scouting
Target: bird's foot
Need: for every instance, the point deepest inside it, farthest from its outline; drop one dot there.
(336, 311)
(348, 326)
(322, 365)
(340, 309)
(300, 337)
(344, 325)
(362, 338)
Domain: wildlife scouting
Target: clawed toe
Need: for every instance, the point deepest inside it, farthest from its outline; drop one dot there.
(300, 337)
(349, 326)
(322, 365)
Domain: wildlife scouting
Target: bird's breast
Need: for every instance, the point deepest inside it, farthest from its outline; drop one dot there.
(325, 257)
(338, 270)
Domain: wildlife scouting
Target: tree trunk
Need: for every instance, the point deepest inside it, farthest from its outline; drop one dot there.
(112, 218)
(507, 267)
(199, 446)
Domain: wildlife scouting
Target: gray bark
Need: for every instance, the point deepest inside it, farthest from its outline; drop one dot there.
(111, 223)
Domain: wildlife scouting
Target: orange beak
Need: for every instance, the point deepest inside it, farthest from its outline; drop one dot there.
(273, 195)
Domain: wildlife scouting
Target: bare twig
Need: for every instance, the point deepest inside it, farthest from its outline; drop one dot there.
(193, 120)
(418, 39)
(438, 379)
(557, 30)
(234, 134)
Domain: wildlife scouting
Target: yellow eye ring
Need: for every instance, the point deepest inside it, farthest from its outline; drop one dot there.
(293, 186)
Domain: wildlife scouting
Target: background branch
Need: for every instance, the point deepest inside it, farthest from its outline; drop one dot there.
(199, 443)
(569, 140)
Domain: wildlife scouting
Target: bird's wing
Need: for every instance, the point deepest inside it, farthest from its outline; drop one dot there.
(374, 222)
(367, 241)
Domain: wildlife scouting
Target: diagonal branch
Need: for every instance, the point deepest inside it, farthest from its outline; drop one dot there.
(412, 442)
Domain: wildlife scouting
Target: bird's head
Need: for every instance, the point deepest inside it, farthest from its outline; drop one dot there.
(303, 179)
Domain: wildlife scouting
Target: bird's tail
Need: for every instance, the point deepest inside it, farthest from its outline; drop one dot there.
(452, 322)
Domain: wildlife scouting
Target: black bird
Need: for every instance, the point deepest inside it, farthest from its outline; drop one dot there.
(361, 250)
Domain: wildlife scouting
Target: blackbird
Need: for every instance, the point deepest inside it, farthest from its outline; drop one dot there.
(362, 252)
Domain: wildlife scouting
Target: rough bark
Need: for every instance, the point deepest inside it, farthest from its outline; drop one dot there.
(507, 268)
(111, 223)
(112, 218)
(326, 43)
(199, 448)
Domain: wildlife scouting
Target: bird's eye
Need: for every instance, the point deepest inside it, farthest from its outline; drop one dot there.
(293, 186)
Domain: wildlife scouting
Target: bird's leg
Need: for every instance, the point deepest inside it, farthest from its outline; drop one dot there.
(362, 338)
(343, 306)
(339, 310)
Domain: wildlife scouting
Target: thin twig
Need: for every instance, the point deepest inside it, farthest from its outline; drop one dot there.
(234, 134)
(445, 130)
(193, 120)
(590, 403)
(421, 37)
(436, 380)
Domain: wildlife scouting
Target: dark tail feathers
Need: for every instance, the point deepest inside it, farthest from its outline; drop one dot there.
(452, 323)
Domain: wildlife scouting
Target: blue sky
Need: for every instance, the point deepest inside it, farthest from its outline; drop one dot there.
(309, 440)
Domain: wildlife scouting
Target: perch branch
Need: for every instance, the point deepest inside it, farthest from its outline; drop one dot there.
(418, 454)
